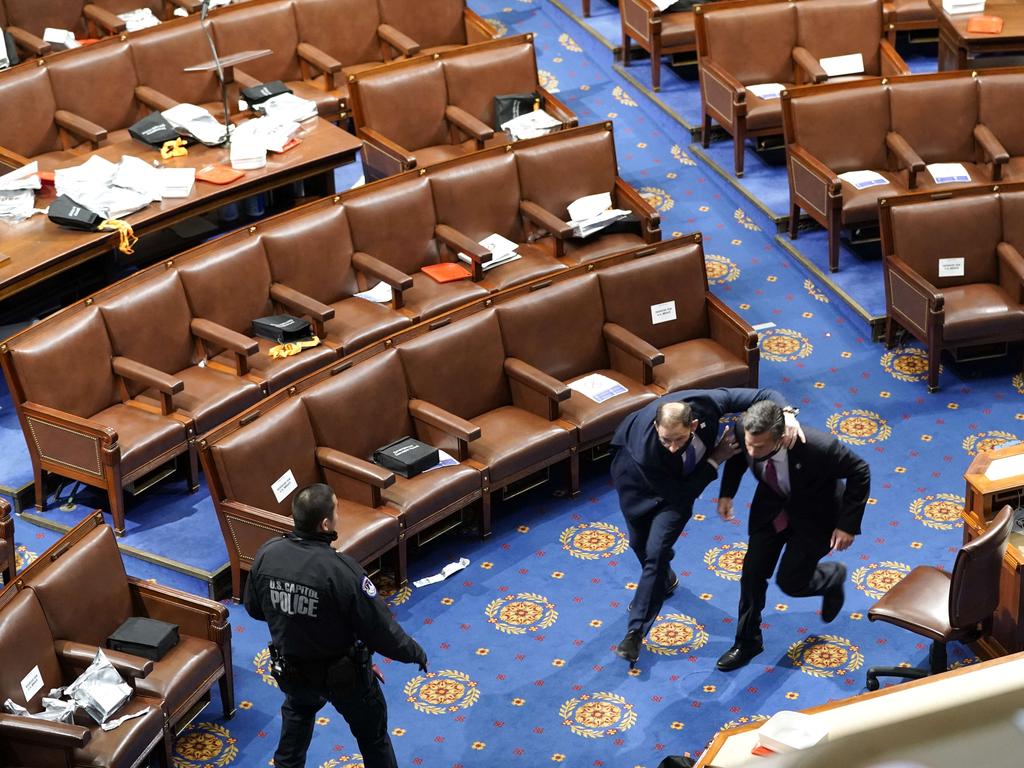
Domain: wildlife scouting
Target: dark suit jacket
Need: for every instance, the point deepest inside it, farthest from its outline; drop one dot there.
(829, 486)
(648, 476)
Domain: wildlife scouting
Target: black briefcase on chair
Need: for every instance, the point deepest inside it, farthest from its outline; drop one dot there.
(144, 637)
(408, 456)
(282, 328)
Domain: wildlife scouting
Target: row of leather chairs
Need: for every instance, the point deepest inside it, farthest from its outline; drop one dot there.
(488, 383)
(417, 112)
(744, 43)
(954, 273)
(167, 354)
(61, 608)
(896, 128)
(314, 44)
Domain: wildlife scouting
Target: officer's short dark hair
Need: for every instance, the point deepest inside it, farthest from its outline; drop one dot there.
(674, 414)
(311, 506)
(764, 416)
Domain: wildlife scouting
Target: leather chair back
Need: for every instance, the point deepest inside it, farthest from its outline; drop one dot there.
(472, 380)
(99, 87)
(372, 216)
(574, 308)
(406, 104)
(42, 365)
(279, 441)
(34, 16)
(838, 27)
(845, 129)
(158, 7)
(344, 29)
(25, 642)
(586, 166)
(161, 53)
(974, 590)
(629, 290)
(431, 23)
(1012, 204)
(84, 592)
(262, 25)
(753, 43)
(363, 408)
(32, 131)
(480, 198)
(149, 323)
(474, 78)
(937, 117)
(968, 227)
(999, 99)
(312, 253)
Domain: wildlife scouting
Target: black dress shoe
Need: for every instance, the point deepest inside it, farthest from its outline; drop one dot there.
(832, 602)
(737, 656)
(629, 648)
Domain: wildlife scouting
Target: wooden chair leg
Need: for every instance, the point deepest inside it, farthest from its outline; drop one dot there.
(705, 131)
(39, 478)
(485, 515)
(115, 494)
(934, 358)
(193, 467)
(833, 243)
(401, 562)
(227, 692)
(586, 9)
(794, 220)
(739, 144)
(656, 62)
(236, 582)
(627, 44)
(890, 332)
(574, 473)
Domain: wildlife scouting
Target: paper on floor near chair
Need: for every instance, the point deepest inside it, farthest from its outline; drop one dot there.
(447, 571)
(863, 179)
(766, 90)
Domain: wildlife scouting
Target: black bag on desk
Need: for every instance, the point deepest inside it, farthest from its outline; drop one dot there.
(408, 456)
(153, 130)
(148, 638)
(282, 328)
(65, 212)
(511, 105)
(256, 94)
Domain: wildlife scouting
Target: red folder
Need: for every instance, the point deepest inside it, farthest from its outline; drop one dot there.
(446, 271)
(989, 25)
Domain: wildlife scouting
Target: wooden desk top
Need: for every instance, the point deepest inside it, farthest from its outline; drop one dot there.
(1010, 11)
(36, 249)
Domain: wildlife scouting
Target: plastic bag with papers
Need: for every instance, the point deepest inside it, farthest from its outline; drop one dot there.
(54, 709)
(18, 192)
(197, 122)
(100, 690)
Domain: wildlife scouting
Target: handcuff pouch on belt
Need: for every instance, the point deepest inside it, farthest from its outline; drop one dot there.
(347, 674)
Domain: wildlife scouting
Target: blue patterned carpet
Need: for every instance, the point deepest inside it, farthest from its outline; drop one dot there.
(520, 643)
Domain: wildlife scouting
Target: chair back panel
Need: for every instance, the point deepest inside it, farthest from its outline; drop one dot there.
(1013, 218)
(430, 23)
(474, 79)
(33, 132)
(845, 129)
(344, 29)
(999, 99)
(34, 16)
(937, 117)
(99, 86)
(405, 104)
(395, 222)
(480, 198)
(26, 642)
(261, 26)
(839, 27)
(753, 43)
(161, 53)
(230, 285)
(555, 173)
(974, 589)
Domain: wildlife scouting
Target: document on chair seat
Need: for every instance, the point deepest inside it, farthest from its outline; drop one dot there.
(381, 293)
(592, 213)
(766, 90)
(863, 179)
(530, 125)
(444, 459)
(597, 387)
(177, 182)
(948, 173)
(59, 36)
(848, 64)
(140, 18)
(496, 261)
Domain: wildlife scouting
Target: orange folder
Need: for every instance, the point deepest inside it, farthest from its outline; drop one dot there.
(218, 174)
(446, 271)
(989, 25)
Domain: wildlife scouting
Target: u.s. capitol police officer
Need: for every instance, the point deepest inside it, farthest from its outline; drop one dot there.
(326, 622)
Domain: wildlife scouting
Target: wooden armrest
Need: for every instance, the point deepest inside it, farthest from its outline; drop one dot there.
(12, 159)
(28, 42)
(906, 155)
(935, 298)
(806, 61)
(729, 329)
(84, 129)
(460, 243)
(165, 384)
(81, 655)
(153, 98)
(103, 18)
(355, 468)
(194, 615)
(628, 198)
(818, 168)
(725, 79)
(398, 40)
(632, 344)
(536, 379)
(319, 59)
(45, 733)
(557, 108)
(468, 124)
(1011, 270)
(215, 333)
(70, 422)
(544, 219)
(992, 148)
(244, 79)
(447, 422)
(892, 64)
(374, 267)
(299, 303)
(398, 152)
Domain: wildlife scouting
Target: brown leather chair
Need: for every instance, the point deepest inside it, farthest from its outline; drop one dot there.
(26, 643)
(27, 44)
(1000, 138)
(907, 16)
(659, 33)
(8, 557)
(705, 345)
(35, 136)
(433, 25)
(946, 607)
(84, 19)
(982, 305)
(182, 679)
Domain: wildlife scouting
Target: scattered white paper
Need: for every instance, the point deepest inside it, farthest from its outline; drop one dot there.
(947, 173)
(112, 724)
(139, 176)
(283, 486)
(177, 182)
(664, 4)
(762, 326)
(444, 459)
(32, 683)
(592, 213)
(288, 106)
(92, 185)
(447, 571)
(529, 125)
(26, 177)
(766, 90)
(589, 205)
(140, 18)
(663, 313)
(197, 121)
(496, 261)
(863, 179)
(597, 387)
(498, 246)
(848, 64)
(381, 293)
(270, 132)
(59, 36)
(951, 267)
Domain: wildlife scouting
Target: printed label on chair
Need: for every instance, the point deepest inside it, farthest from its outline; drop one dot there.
(951, 267)
(283, 486)
(663, 313)
(32, 683)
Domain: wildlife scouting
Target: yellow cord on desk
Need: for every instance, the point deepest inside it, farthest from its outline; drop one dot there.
(128, 238)
(291, 348)
(173, 148)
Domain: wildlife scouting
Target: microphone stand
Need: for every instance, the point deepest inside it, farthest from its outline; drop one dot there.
(205, 24)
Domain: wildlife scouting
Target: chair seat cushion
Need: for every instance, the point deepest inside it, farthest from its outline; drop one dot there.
(143, 436)
(427, 297)
(699, 364)
(188, 668)
(513, 440)
(364, 531)
(677, 30)
(210, 396)
(1013, 170)
(978, 172)
(764, 114)
(580, 251)
(328, 103)
(861, 205)
(597, 421)
(417, 498)
(440, 152)
(535, 262)
(358, 322)
(284, 371)
(123, 746)
(980, 310)
(919, 603)
(912, 10)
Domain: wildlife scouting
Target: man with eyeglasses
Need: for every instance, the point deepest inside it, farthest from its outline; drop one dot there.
(665, 455)
(809, 502)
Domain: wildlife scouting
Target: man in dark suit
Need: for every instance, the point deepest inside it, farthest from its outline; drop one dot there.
(665, 454)
(809, 501)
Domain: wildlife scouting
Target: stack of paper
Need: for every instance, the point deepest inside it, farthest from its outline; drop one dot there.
(848, 64)
(597, 387)
(92, 185)
(138, 176)
(270, 132)
(953, 7)
(198, 122)
(592, 213)
(529, 125)
(177, 182)
(766, 90)
(288, 106)
(63, 37)
(502, 251)
(140, 18)
(948, 173)
(863, 179)
(17, 192)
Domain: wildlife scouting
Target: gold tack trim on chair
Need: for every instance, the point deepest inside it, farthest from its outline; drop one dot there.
(252, 230)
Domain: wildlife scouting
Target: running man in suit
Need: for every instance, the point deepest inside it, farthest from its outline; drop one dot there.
(809, 502)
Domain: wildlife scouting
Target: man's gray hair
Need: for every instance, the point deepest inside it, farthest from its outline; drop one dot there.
(764, 416)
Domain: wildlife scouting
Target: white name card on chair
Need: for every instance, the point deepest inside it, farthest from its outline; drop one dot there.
(847, 64)
(863, 179)
(948, 173)
(766, 90)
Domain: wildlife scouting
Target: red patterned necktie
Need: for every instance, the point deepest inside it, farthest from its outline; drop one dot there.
(771, 479)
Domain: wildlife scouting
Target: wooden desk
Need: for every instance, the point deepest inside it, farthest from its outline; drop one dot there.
(955, 690)
(36, 249)
(957, 46)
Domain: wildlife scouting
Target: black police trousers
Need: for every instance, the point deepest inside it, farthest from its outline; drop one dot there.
(365, 711)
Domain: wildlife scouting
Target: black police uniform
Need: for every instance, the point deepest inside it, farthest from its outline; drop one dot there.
(325, 623)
